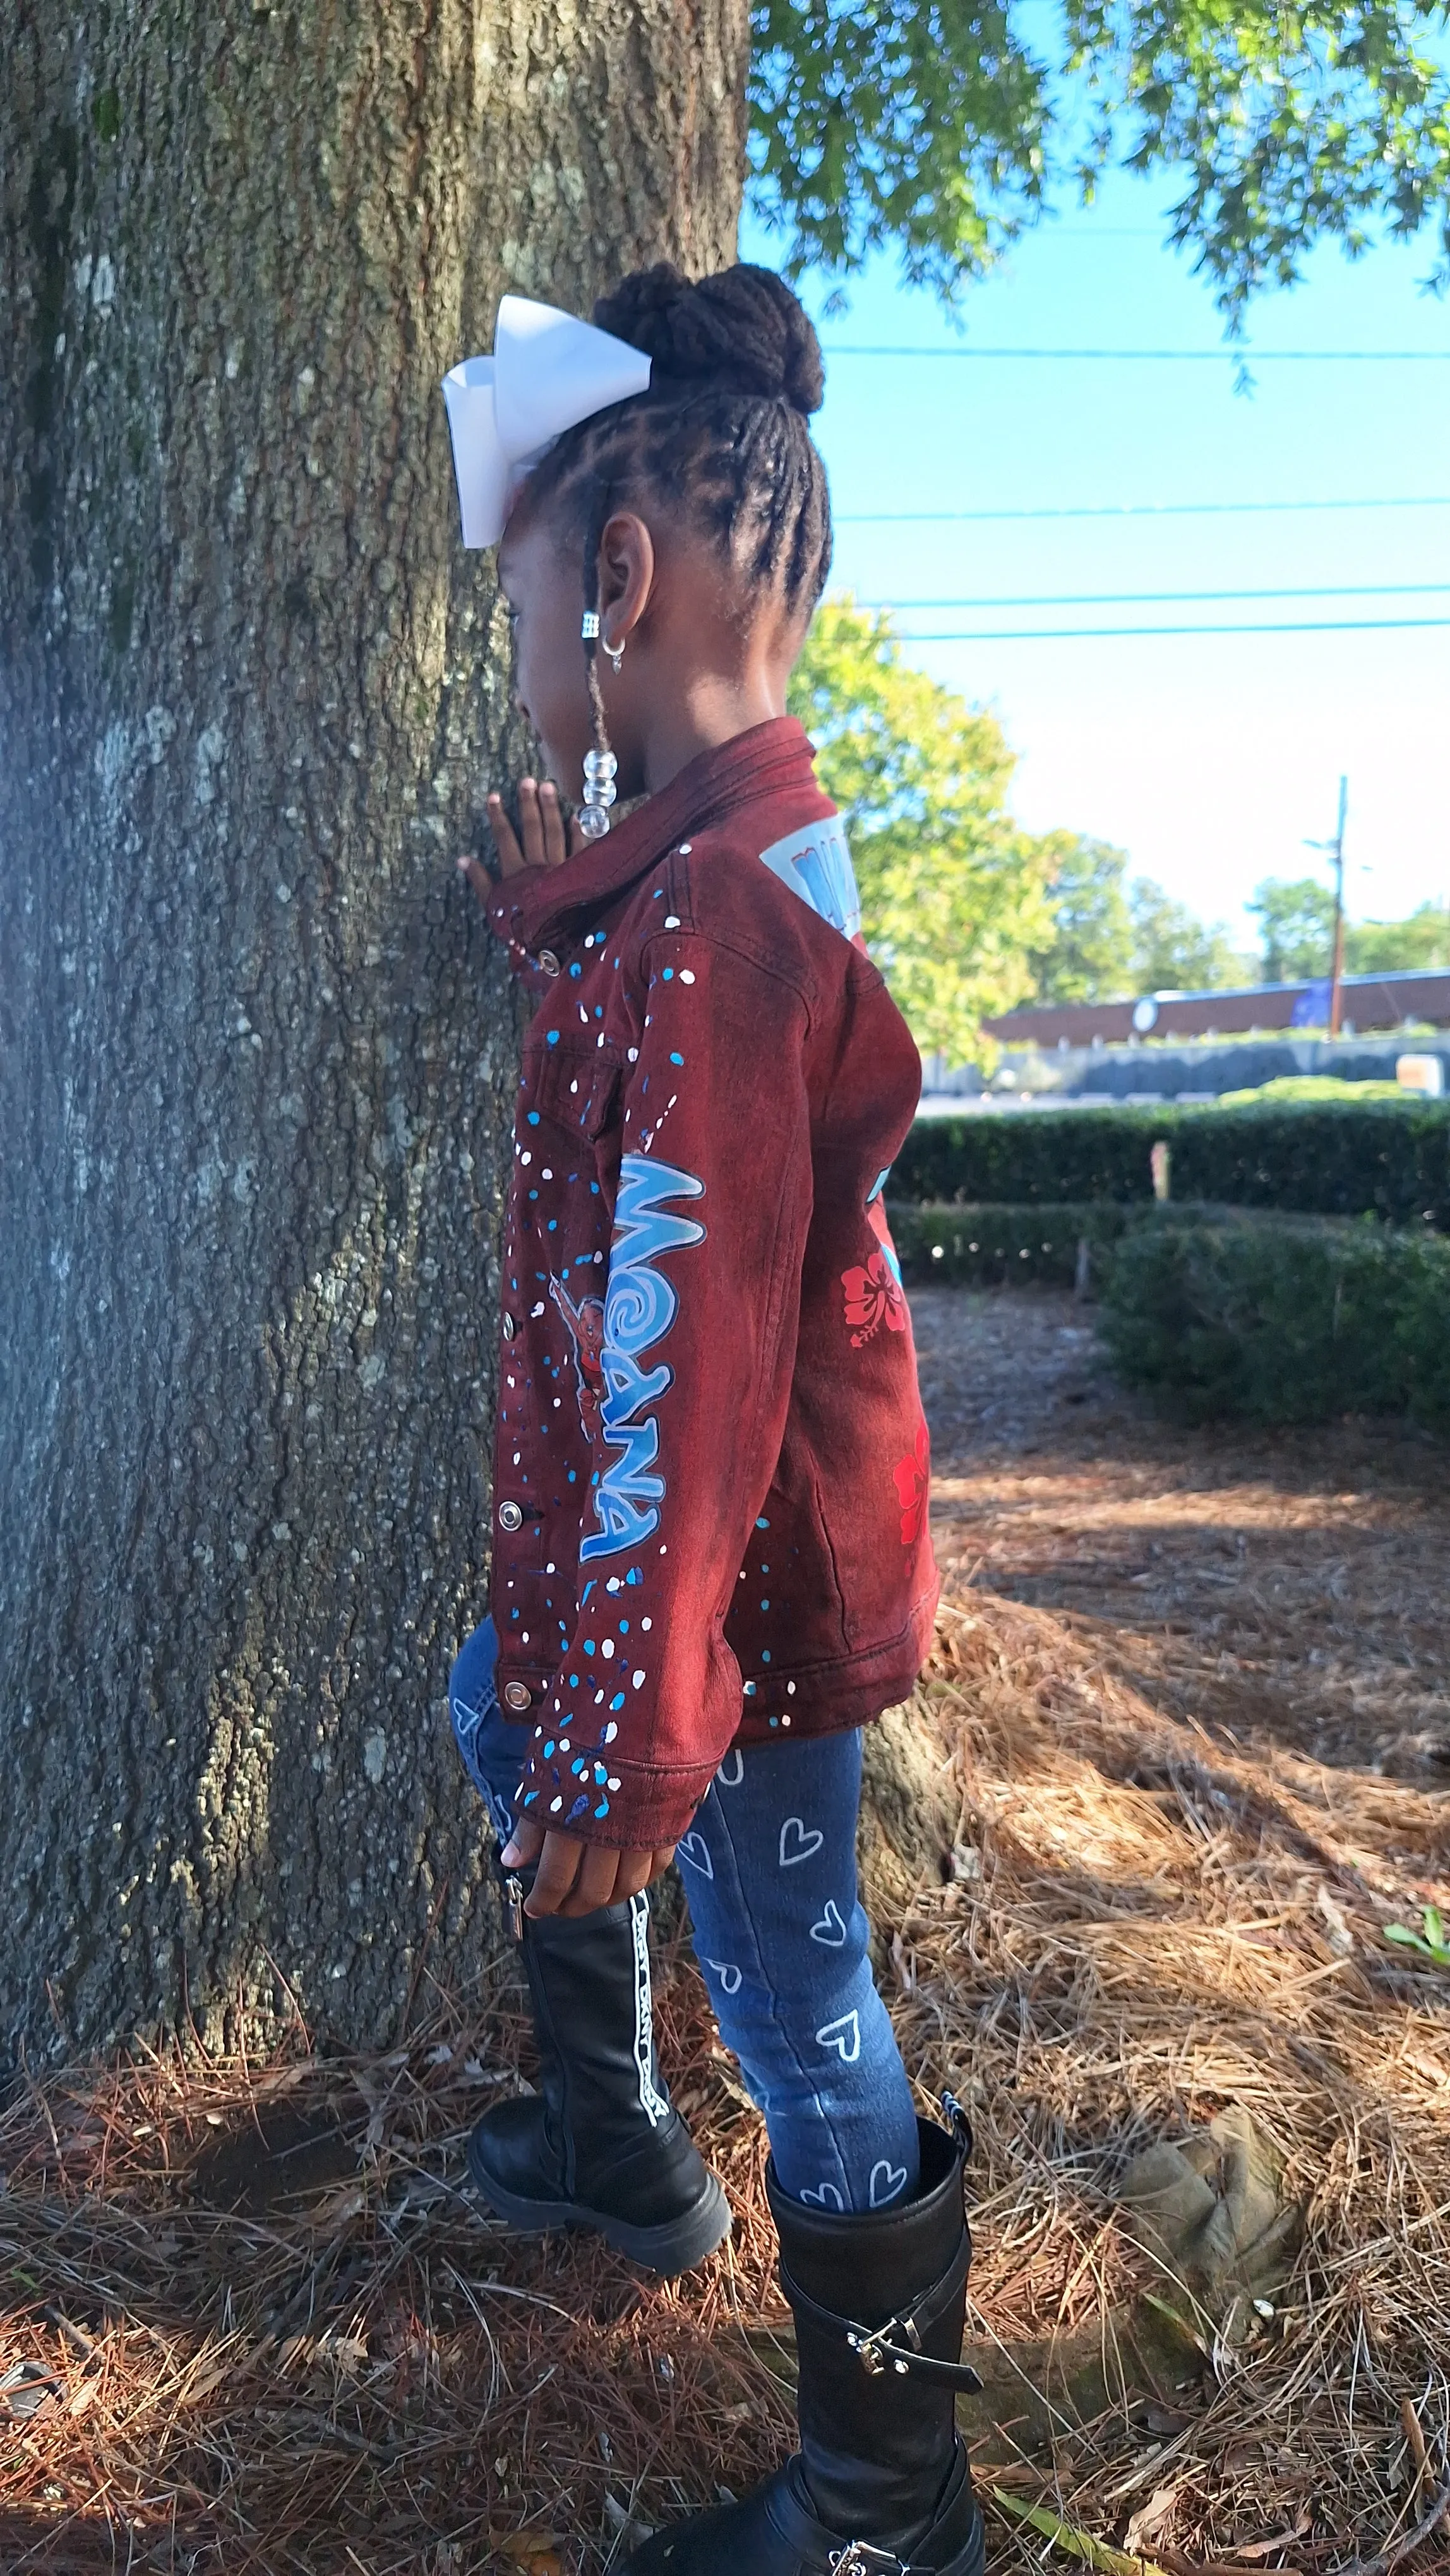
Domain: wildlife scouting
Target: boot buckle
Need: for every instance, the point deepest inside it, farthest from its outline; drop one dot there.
(860, 2559)
(878, 2349)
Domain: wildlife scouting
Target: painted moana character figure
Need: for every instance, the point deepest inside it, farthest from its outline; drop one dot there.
(586, 1332)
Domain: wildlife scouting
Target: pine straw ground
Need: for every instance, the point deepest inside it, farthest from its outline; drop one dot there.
(1187, 1730)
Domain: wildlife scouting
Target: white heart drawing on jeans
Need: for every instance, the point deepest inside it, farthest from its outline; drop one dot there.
(797, 1843)
(887, 2180)
(826, 2197)
(844, 2034)
(694, 1849)
(729, 1977)
(830, 1931)
(727, 1778)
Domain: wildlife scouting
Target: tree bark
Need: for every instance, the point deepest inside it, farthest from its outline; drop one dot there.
(256, 1060)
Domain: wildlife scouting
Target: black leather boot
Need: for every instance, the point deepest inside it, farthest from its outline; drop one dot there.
(600, 2144)
(880, 2485)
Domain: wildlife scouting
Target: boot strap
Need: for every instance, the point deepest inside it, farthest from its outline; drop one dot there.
(896, 2345)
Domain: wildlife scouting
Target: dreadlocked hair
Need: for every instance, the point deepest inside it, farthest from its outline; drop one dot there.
(720, 435)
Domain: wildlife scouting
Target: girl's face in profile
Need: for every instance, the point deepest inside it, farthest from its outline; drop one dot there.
(545, 592)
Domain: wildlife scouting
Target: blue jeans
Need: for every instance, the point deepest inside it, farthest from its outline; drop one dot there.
(769, 1869)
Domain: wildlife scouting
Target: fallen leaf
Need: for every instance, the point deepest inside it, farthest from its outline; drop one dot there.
(534, 2550)
(1071, 2537)
(624, 2526)
(1151, 2520)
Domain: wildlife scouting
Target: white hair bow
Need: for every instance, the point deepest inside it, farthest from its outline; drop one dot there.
(548, 371)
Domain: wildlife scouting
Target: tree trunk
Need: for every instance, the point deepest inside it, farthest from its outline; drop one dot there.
(257, 1060)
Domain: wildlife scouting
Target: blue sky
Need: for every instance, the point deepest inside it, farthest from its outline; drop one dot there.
(1209, 759)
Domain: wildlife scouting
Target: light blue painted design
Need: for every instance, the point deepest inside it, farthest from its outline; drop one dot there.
(639, 1308)
(824, 2195)
(816, 865)
(888, 2182)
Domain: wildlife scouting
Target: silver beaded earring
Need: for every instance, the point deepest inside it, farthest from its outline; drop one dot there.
(600, 764)
(616, 654)
(599, 794)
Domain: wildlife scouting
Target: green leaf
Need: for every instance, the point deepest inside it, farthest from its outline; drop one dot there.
(1071, 2537)
(942, 132)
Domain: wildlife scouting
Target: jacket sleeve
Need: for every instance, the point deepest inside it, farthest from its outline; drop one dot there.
(700, 1321)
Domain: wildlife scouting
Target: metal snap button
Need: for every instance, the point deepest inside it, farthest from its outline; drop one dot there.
(548, 961)
(510, 1517)
(516, 1694)
(508, 1328)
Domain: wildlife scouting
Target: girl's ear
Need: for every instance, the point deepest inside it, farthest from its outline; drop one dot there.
(626, 576)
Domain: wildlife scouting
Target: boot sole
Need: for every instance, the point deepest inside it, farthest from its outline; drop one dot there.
(677, 2246)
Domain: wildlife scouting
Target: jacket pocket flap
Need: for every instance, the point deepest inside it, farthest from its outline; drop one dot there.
(576, 1091)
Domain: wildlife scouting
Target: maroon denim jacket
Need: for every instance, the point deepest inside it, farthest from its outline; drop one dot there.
(710, 1478)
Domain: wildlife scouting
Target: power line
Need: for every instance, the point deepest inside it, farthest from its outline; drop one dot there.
(1175, 357)
(1051, 634)
(1167, 598)
(1131, 510)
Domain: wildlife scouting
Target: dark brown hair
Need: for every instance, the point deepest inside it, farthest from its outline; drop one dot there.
(721, 434)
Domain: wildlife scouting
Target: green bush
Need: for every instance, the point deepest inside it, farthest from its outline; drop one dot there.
(1223, 1318)
(993, 1247)
(1386, 1158)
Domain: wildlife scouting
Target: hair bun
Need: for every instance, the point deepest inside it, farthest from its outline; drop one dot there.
(742, 327)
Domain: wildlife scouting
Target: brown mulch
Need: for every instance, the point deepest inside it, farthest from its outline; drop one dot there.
(1188, 1714)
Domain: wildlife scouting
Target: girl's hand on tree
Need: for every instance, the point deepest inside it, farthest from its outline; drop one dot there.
(578, 1878)
(544, 843)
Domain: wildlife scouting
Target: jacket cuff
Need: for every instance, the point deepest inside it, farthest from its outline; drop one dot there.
(624, 1806)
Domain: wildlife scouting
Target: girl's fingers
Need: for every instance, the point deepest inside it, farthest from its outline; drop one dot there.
(524, 1844)
(531, 823)
(558, 1869)
(476, 874)
(597, 1882)
(555, 849)
(577, 841)
(540, 842)
(505, 840)
(636, 1869)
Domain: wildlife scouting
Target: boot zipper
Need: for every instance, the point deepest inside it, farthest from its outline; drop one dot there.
(513, 1889)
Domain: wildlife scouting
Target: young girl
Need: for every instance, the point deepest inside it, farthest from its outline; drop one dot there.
(711, 1563)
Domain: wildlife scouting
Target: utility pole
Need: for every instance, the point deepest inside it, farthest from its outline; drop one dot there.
(1336, 852)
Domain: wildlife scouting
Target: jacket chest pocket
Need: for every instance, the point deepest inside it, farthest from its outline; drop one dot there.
(574, 1089)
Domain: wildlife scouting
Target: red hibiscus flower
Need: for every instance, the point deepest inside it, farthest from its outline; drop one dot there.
(873, 1298)
(913, 1481)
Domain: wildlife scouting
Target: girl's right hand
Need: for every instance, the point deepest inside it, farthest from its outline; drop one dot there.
(544, 843)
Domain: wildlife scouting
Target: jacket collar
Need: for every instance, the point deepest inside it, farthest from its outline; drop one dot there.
(769, 760)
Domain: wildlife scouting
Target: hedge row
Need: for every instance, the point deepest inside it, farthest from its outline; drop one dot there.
(1222, 1318)
(993, 1247)
(1384, 1158)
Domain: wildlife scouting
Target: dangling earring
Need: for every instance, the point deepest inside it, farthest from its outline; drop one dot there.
(599, 794)
(600, 764)
(616, 654)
